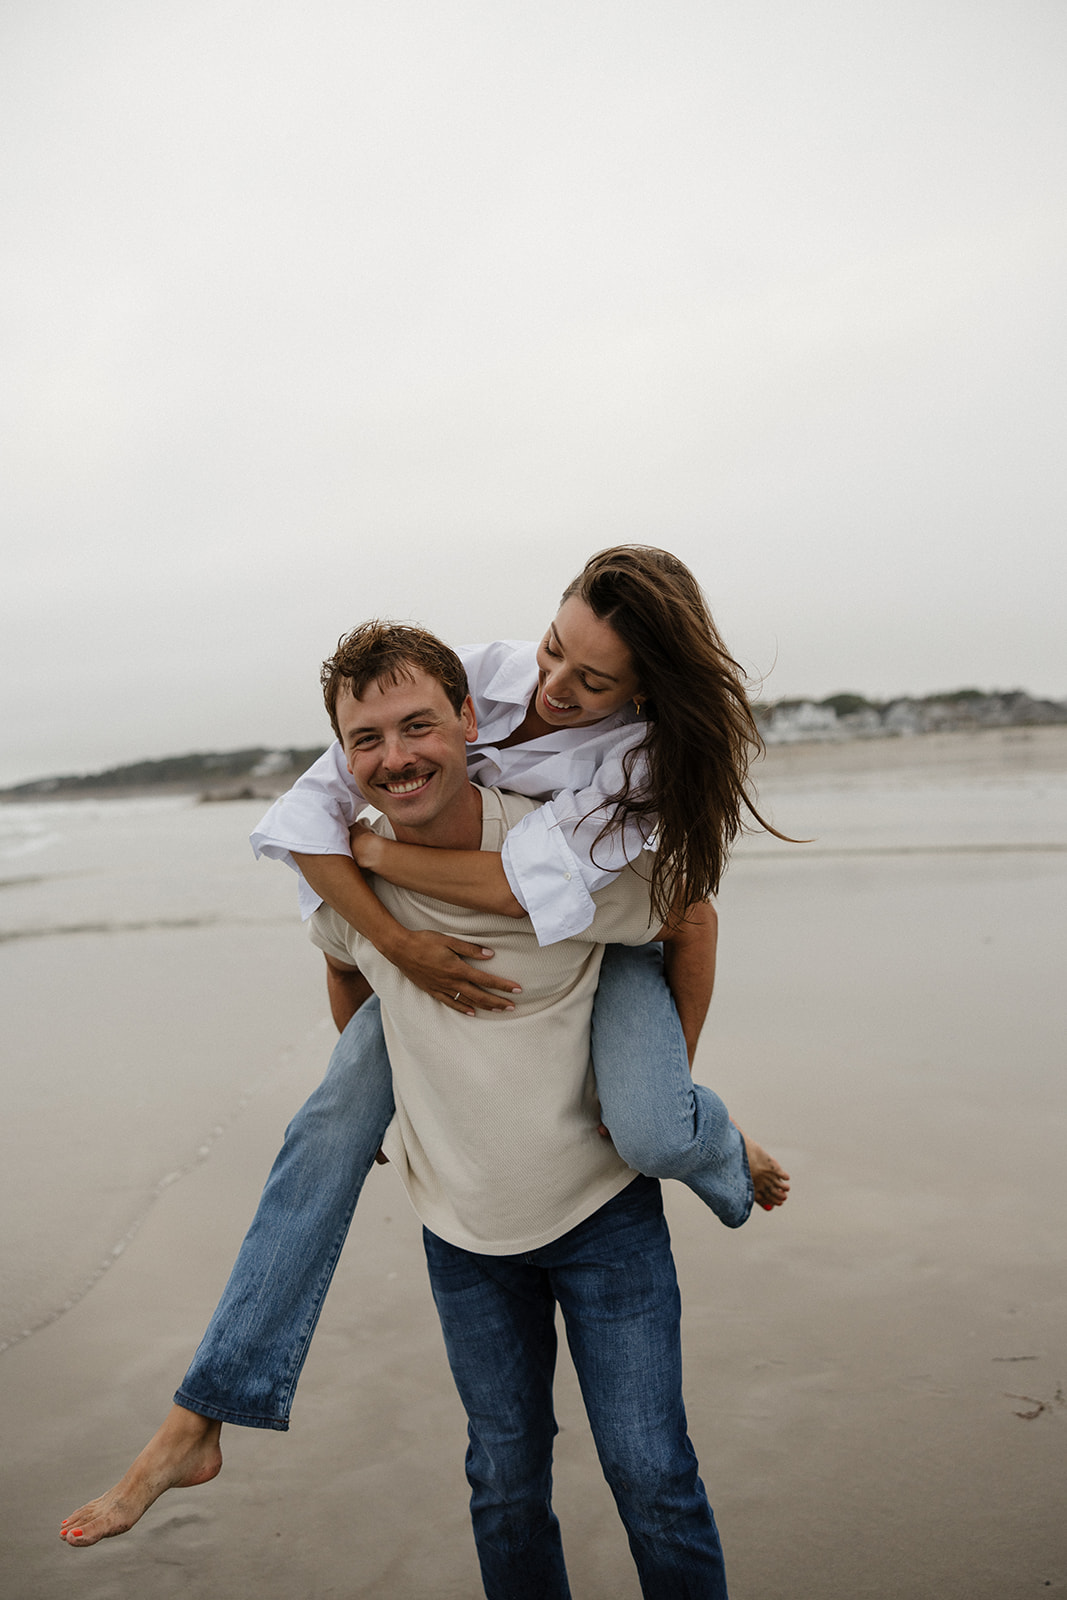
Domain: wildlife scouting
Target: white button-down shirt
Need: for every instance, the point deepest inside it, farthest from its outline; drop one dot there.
(552, 859)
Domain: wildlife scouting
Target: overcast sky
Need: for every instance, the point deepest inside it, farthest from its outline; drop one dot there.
(323, 310)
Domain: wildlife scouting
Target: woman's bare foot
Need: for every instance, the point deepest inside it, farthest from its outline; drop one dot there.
(770, 1180)
(184, 1452)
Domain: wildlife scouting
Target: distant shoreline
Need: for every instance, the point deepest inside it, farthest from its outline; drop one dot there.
(852, 716)
(257, 773)
(970, 750)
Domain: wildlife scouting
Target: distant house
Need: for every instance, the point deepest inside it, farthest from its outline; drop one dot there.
(850, 716)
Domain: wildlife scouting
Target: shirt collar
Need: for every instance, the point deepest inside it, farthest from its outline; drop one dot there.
(514, 679)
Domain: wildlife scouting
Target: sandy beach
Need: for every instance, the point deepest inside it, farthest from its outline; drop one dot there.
(875, 1376)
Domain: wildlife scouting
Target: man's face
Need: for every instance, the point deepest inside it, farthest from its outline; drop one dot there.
(407, 749)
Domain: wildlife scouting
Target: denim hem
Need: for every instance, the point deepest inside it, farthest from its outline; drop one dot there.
(240, 1419)
(751, 1193)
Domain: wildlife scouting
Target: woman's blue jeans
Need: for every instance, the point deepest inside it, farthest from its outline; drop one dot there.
(661, 1122)
(613, 1279)
(249, 1360)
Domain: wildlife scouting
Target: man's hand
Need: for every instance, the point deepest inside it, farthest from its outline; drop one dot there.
(436, 963)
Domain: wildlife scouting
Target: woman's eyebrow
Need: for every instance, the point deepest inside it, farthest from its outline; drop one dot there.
(596, 672)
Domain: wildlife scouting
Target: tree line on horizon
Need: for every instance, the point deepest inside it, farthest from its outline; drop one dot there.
(261, 770)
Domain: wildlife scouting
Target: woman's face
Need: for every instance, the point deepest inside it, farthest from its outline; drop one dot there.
(585, 672)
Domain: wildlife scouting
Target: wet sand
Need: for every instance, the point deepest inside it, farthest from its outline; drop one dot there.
(889, 1020)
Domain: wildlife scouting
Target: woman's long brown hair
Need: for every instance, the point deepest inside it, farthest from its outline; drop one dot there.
(701, 733)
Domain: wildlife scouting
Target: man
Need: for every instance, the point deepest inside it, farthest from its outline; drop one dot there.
(495, 1138)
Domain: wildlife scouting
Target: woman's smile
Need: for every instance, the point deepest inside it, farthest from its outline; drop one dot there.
(556, 705)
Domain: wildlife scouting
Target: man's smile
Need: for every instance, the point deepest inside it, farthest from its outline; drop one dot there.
(406, 785)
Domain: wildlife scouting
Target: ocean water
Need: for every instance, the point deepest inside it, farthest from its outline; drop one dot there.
(155, 977)
(909, 809)
(120, 862)
(890, 997)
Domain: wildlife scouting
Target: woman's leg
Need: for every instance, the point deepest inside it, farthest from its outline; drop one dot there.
(250, 1358)
(661, 1122)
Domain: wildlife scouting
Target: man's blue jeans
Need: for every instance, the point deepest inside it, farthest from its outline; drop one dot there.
(249, 1361)
(613, 1279)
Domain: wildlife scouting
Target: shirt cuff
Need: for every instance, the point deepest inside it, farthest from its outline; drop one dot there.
(546, 880)
(290, 826)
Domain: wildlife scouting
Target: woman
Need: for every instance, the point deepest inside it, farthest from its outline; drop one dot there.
(631, 715)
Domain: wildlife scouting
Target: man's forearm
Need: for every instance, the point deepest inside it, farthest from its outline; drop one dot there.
(689, 964)
(347, 989)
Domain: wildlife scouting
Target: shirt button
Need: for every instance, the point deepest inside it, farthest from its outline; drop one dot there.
(566, 877)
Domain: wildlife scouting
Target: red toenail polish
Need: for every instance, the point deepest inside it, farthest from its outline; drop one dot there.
(77, 1532)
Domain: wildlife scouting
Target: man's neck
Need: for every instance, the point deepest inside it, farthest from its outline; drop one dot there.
(460, 829)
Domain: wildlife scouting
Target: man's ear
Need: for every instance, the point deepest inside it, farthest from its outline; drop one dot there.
(469, 720)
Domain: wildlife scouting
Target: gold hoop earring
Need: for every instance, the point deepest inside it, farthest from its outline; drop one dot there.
(638, 706)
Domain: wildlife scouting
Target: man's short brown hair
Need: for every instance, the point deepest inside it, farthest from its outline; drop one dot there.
(385, 652)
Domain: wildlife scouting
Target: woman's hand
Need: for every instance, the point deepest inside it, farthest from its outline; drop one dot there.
(436, 963)
(364, 842)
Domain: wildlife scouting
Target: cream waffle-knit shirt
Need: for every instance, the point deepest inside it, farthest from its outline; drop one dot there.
(495, 1133)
